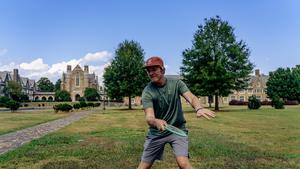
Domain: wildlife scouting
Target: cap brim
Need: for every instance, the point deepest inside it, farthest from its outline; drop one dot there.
(145, 67)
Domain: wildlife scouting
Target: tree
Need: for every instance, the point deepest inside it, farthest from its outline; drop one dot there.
(3, 101)
(296, 72)
(283, 83)
(217, 63)
(13, 105)
(91, 94)
(24, 97)
(45, 85)
(57, 85)
(125, 76)
(62, 95)
(14, 90)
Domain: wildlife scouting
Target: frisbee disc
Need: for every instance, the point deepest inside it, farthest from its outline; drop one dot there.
(175, 130)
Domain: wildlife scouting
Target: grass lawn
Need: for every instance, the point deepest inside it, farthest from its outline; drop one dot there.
(236, 138)
(18, 120)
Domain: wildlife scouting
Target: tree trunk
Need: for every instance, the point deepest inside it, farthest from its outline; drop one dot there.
(216, 102)
(210, 99)
(129, 104)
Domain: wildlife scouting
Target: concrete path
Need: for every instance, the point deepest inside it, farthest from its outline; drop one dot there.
(15, 139)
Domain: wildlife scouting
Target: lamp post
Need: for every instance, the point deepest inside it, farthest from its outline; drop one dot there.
(104, 98)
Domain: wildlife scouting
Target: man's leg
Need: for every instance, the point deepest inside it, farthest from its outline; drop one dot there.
(180, 150)
(144, 165)
(183, 162)
(153, 150)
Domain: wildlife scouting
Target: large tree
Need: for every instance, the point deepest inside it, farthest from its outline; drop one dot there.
(62, 96)
(91, 94)
(296, 72)
(125, 76)
(45, 85)
(14, 90)
(217, 63)
(283, 83)
(57, 85)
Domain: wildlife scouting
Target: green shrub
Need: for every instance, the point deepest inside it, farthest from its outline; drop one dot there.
(62, 107)
(90, 104)
(253, 102)
(76, 106)
(3, 101)
(97, 104)
(277, 103)
(82, 104)
(13, 105)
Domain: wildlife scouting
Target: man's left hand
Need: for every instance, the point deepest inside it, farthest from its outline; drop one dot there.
(206, 113)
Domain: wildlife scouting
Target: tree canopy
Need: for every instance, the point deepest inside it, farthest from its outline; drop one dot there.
(91, 94)
(125, 76)
(62, 95)
(45, 85)
(14, 90)
(216, 63)
(57, 85)
(284, 83)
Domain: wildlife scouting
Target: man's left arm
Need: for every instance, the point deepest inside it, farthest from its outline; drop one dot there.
(194, 101)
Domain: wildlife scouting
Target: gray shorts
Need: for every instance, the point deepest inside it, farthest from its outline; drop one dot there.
(154, 147)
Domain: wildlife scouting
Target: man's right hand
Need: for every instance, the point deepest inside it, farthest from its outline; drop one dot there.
(160, 124)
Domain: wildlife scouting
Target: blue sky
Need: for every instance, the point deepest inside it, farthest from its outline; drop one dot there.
(40, 37)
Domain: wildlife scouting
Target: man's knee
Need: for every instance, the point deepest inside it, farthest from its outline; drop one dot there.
(144, 165)
(183, 163)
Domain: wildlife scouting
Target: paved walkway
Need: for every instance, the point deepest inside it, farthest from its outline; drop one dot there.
(13, 140)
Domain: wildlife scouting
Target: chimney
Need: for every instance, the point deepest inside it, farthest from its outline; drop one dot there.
(257, 72)
(15, 74)
(86, 69)
(69, 68)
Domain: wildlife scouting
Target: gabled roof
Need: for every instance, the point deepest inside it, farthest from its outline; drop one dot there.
(31, 83)
(77, 67)
(24, 81)
(4, 75)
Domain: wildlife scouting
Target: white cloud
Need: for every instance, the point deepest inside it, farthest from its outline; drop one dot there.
(98, 56)
(37, 68)
(9, 67)
(3, 51)
(36, 65)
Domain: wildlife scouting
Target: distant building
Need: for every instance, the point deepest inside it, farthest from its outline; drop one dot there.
(256, 86)
(77, 80)
(28, 85)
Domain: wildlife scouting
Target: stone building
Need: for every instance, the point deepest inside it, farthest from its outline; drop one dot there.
(28, 85)
(256, 86)
(77, 80)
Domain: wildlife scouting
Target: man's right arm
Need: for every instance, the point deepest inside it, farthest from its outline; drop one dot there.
(154, 122)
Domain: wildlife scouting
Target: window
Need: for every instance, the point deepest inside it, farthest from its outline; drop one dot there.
(242, 98)
(77, 79)
(250, 90)
(232, 98)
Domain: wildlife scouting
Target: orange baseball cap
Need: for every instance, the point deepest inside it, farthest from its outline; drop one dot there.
(154, 61)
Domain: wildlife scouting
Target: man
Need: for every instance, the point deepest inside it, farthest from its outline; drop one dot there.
(162, 106)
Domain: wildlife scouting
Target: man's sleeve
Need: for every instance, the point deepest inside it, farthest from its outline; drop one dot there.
(147, 100)
(182, 87)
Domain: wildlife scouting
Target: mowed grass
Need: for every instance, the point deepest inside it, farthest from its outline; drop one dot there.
(236, 138)
(10, 122)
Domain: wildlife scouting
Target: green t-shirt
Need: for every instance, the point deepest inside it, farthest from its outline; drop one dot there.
(165, 100)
